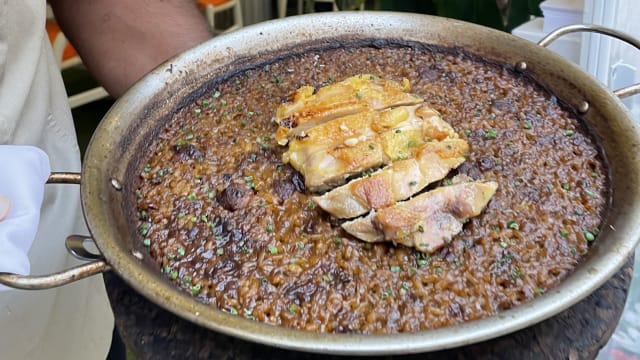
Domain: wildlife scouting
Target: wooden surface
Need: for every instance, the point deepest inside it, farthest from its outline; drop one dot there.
(577, 333)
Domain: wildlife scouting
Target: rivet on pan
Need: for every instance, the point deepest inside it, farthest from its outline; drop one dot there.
(137, 254)
(116, 184)
(521, 66)
(583, 107)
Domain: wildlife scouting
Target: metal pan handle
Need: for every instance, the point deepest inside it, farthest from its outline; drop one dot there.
(73, 244)
(554, 35)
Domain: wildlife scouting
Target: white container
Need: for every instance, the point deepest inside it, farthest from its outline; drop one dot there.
(567, 46)
(559, 13)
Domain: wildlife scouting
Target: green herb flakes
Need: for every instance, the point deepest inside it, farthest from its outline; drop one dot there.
(146, 242)
(273, 250)
(249, 181)
(490, 134)
(387, 293)
(589, 236)
(404, 287)
(195, 289)
(513, 225)
(394, 269)
(143, 229)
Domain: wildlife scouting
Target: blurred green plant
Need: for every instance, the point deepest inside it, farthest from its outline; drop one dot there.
(499, 14)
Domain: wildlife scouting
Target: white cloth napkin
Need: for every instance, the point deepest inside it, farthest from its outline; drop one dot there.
(23, 173)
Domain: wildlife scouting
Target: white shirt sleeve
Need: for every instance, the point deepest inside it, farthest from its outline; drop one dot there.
(23, 173)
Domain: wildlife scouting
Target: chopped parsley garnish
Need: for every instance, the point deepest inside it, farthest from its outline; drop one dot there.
(273, 250)
(569, 132)
(143, 229)
(566, 186)
(404, 287)
(146, 242)
(181, 251)
(300, 245)
(513, 225)
(516, 273)
(249, 181)
(195, 289)
(220, 251)
(293, 308)
(387, 293)
(269, 228)
(490, 134)
(422, 259)
(395, 269)
(564, 232)
(504, 260)
(503, 244)
(589, 236)
(527, 125)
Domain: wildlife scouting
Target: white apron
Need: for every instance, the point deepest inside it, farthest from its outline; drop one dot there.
(74, 321)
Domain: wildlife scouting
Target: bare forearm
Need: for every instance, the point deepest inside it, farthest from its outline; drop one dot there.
(121, 40)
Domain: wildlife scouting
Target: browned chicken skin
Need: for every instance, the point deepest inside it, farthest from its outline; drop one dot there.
(375, 129)
(429, 220)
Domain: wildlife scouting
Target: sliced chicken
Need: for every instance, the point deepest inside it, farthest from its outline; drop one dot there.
(427, 221)
(395, 182)
(353, 95)
(331, 152)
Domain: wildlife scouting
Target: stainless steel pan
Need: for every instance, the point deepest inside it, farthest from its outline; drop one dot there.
(112, 160)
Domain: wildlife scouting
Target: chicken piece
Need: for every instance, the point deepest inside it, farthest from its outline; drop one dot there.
(427, 221)
(353, 95)
(395, 182)
(331, 152)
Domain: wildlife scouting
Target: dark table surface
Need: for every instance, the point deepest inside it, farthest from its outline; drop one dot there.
(580, 332)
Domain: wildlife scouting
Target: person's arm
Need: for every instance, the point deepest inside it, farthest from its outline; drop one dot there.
(121, 40)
